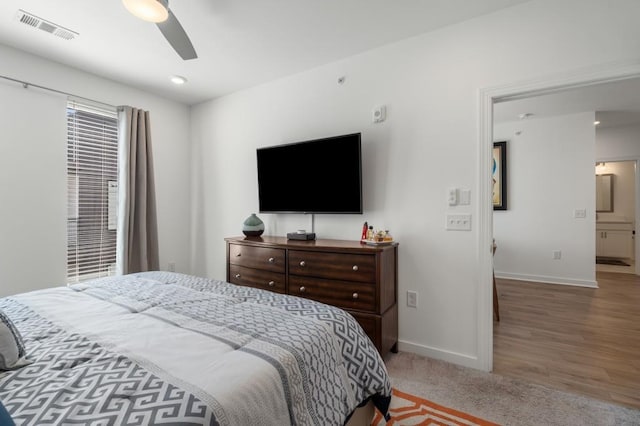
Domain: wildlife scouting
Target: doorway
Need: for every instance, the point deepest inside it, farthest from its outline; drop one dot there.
(615, 213)
(487, 98)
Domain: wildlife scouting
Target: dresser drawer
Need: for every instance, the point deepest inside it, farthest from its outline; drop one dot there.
(264, 258)
(250, 277)
(328, 271)
(346, 295)
(335, 266)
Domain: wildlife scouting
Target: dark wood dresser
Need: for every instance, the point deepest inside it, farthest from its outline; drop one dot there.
(358, 278)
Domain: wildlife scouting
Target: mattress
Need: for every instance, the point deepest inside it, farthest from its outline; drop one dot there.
(168, 348)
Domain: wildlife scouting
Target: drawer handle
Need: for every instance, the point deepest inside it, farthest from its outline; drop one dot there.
(237, 275)
(272, 283)
(355, 295)
(355, 267)
(238, 254)
(271, 260)
(302, 289)
(302, 263)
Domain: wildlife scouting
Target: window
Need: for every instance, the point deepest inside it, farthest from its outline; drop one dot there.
(92, 176)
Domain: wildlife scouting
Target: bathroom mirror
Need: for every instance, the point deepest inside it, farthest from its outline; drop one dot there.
(604, 193)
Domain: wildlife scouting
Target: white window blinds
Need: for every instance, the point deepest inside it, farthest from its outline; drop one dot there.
(92, 175)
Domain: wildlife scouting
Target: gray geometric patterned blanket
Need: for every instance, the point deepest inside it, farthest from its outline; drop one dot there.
(167, 348)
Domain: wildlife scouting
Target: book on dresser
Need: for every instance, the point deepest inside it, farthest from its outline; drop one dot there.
(361, 279)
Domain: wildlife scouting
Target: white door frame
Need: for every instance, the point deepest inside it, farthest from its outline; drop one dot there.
(605, 73)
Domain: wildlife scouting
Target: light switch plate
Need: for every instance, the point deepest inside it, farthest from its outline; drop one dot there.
(452, 196)
(465, 197)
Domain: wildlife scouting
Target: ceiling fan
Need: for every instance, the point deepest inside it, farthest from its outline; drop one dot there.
(158, 11)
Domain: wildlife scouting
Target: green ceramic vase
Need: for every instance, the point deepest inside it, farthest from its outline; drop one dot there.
(253, 226)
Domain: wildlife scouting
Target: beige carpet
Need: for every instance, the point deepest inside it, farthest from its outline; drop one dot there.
(499, 399)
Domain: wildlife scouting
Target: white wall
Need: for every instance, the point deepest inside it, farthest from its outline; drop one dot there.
(429, 143)
(171, 152)
(550, 174)
(618, 142)
(33, 192)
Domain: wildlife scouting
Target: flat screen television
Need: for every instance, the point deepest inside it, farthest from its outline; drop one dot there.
(316, 176)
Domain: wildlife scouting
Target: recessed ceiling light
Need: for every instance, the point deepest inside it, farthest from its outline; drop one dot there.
(595, 123)
(178, 79)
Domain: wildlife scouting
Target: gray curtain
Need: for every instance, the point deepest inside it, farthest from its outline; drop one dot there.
(137, 241)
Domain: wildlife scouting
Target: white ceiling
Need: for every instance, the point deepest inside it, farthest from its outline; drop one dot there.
(616, 104)
(240, 43)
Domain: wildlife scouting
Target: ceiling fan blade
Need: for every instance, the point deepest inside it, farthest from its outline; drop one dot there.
(177, 37)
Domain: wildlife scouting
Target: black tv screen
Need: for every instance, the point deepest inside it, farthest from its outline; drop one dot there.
(318, 176)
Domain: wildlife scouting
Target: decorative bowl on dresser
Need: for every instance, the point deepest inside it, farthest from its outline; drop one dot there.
(359, 278)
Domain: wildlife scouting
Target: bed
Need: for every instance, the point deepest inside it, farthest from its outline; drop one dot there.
(167, 348)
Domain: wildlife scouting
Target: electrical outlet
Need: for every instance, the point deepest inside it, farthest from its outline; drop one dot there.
(557, 255)
(412, 299)
(458, 222)
(172, 266)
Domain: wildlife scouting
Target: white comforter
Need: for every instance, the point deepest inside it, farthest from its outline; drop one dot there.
(157, 347)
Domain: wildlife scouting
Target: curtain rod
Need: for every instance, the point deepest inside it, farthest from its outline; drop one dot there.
(26, 85)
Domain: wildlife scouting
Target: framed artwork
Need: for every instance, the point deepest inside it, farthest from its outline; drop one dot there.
(499, 175)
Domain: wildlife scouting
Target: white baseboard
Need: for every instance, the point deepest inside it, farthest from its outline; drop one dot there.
(547, 279)
(443, 355)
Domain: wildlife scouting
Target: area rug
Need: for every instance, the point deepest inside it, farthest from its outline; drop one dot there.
(407, 409)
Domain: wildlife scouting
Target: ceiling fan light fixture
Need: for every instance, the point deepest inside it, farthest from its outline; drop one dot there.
(148, 10)
(178, 79)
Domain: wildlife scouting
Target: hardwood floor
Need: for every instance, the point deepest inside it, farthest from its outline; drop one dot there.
(581, 340)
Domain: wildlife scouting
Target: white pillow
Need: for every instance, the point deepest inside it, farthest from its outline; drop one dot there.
(12, 353)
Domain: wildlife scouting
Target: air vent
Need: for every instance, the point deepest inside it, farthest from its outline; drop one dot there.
(44, 25)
